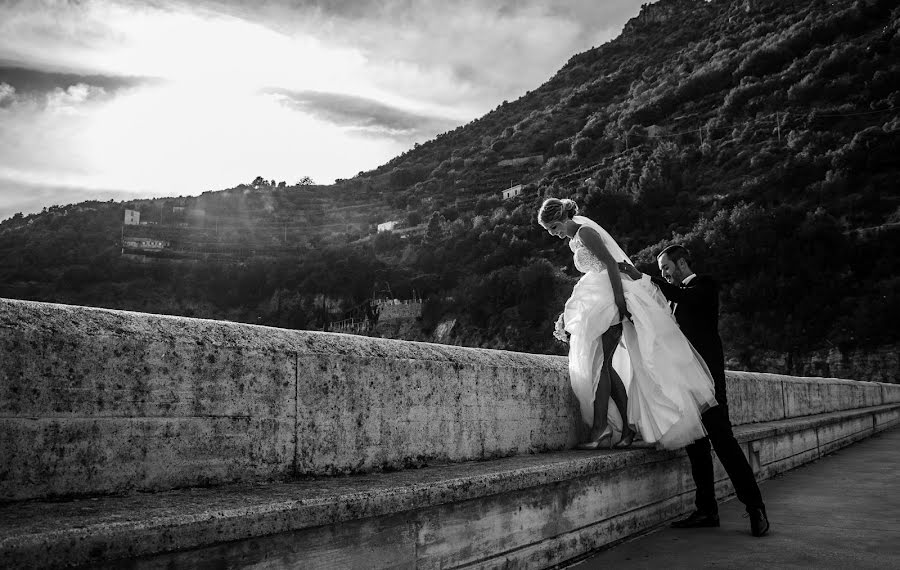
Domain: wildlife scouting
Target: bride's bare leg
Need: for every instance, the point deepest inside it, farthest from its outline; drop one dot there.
(605, 389)
(620, 398)
(601, 405)
(617, 387)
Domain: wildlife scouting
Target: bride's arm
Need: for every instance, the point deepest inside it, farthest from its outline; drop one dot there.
(592, 240)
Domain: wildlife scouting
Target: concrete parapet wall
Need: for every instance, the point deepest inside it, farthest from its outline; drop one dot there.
(95, 401)
(761, 397)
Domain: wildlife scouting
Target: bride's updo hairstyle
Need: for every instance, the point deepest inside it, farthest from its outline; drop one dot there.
(556, 210)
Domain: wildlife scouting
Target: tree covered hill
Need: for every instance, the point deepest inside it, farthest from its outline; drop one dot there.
(764, 135)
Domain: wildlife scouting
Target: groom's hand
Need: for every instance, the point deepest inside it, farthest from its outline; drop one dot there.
(630, 270)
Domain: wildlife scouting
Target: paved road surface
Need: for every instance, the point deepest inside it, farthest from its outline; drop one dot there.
(842, 511)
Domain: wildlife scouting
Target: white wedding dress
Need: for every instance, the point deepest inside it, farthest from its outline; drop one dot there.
(667, 382)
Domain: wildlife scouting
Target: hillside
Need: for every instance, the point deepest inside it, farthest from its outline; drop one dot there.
(762, 134)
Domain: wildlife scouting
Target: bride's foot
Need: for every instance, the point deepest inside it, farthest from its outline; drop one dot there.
(603, 438)
(627, 439)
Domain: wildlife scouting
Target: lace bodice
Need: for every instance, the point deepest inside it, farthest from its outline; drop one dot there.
(585, 261)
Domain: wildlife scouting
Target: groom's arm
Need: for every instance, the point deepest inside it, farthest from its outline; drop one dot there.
(702, 293)
(671, 292)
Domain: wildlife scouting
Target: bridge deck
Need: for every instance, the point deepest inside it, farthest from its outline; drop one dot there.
(837, 512)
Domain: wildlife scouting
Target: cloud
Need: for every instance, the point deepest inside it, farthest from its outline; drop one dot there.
(178, 139)
(27, 81)
(466, 55)
(278, 88)
(365, 115)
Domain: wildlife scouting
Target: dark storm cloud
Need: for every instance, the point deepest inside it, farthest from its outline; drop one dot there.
(363, 113)
(28, 81)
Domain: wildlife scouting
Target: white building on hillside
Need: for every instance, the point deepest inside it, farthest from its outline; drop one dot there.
(512, 192)
(388, 226)
(132, 218)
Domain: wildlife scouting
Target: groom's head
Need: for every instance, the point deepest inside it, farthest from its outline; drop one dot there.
(674, 263)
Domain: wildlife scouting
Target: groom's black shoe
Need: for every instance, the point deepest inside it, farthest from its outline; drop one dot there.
(697, 519)
(759, 522)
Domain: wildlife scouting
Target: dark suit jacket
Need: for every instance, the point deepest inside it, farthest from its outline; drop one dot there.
(697, 313)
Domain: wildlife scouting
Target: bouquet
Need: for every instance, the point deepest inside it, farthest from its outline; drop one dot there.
(560, 330)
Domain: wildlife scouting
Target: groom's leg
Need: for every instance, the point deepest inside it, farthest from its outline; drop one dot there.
(702, 471)
(732, 457)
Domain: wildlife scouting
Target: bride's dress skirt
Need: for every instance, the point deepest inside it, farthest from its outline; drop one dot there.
(668, 383)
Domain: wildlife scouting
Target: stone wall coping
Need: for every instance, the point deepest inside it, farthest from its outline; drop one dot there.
(109, 528)
(742, 375)
(75, 321)
(750, 432)
(95, 321)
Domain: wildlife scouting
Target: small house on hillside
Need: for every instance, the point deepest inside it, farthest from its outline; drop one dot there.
(511, 192)
(132, 218)
(388, 226)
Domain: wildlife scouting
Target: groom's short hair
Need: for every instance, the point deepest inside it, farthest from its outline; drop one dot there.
(676, 252)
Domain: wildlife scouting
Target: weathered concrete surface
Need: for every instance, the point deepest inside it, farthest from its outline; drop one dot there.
(143, 523)
(837, 512)
(761, 397)
(94, 401)
(528, 511)
(97, 401)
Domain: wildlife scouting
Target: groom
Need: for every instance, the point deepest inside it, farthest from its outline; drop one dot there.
(695, 302)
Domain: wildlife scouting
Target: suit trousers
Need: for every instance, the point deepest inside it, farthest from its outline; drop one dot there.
(721, 438)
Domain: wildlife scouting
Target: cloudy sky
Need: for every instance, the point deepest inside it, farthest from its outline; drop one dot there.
(105, 99)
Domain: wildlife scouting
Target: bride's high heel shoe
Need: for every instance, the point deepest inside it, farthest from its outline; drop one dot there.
(627, 439)
(605, 437)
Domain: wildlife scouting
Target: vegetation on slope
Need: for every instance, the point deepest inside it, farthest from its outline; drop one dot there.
(764, 135)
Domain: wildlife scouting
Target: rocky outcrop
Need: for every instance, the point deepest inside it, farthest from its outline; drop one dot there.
(661, 12)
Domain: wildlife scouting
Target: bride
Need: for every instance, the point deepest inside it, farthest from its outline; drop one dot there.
(667, 383)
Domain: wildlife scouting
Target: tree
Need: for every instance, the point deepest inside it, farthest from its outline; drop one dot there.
(435, 231)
